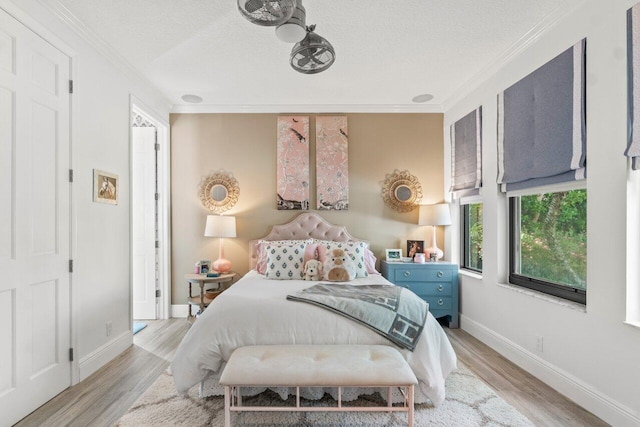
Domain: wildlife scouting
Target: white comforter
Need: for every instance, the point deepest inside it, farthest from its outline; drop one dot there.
(255, 311)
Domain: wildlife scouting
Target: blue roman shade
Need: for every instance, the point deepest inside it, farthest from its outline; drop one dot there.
(541, 125)
(633, 83)
(466, 155)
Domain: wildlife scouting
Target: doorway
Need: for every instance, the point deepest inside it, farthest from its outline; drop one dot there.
(150, 290)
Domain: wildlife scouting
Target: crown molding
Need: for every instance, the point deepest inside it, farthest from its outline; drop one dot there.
(99, 44)
(520, 46)
(20, 15)
(303, 108)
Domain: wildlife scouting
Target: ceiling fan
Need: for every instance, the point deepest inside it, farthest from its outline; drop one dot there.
(312, 53)
(267, 12)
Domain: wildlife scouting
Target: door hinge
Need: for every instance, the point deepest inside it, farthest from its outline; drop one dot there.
(70, 86)
(71, 354)
(70, 175)
(157, 244)
(157, 196)
(70, 266)
(157, 293)
(157, 147)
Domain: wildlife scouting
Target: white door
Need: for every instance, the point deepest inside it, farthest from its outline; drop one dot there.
(144, 222)
(34, 221)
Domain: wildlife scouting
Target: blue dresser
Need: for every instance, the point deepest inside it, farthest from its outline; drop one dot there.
(434, 282)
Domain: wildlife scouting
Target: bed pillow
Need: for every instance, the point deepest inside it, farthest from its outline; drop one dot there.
(261, 263)
(338, 266)
(355, 250)
(370, 262)
(285, 262)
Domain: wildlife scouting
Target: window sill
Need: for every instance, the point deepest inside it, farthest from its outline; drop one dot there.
(549, 298)
(634, 324)
(469, 273)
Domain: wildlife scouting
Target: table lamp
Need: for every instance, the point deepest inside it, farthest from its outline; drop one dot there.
(221, 226)
(434, 215)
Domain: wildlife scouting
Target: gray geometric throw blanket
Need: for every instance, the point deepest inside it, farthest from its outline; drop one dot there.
(392, 311)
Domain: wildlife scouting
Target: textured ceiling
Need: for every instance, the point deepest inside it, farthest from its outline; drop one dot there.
(387, 52)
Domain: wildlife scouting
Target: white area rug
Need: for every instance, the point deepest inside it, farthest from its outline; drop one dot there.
(469, 402)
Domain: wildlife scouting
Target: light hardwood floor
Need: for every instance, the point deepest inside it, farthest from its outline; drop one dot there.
(105, 396)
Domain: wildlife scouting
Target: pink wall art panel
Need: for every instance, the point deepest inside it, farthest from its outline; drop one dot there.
(293, 163)
(332, 163)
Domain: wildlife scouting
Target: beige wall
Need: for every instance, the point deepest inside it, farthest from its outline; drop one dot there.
(245, 145)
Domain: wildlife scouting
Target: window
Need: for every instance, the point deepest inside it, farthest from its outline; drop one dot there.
(548, 243)
(472, 236)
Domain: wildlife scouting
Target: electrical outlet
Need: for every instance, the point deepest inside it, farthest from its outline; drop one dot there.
(539, 343)
(109, 327)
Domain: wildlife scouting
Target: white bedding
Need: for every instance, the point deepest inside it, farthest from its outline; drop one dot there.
(255, 311)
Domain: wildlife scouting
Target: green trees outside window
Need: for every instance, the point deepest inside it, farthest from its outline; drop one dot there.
(472, 236)
(549, 243)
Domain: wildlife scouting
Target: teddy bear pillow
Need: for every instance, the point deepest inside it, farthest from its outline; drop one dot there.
(313, 270)
(338, 266)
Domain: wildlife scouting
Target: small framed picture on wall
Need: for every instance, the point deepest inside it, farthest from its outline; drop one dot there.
(106, 187)
(414, 247)
(394, 255)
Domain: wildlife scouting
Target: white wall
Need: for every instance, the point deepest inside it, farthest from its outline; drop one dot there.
(590, 355)
(100, 138)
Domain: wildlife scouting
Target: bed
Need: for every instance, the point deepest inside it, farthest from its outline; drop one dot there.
(255, 311)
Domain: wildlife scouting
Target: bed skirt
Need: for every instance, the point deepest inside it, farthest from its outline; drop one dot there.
(211, 387)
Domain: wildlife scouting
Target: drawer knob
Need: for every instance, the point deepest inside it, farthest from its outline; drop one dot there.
(407, 273)
(440, 288)
(440, 274)
(440, 301)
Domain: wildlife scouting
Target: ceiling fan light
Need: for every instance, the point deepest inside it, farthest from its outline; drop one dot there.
(269, 13)
(313, 54)
(295, 28)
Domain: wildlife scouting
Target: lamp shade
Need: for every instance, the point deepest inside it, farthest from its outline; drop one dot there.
(438, 214)
(220, 226)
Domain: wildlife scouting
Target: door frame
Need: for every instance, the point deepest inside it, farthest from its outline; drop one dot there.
(164, 205)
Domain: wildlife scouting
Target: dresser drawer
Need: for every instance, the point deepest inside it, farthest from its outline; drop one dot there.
(429, 288)
(421, 275)
(438, 303)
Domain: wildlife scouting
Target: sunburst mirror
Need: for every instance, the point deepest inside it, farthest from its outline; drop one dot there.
(219, 191)
(401, 191)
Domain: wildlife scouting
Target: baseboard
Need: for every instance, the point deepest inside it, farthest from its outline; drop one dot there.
(103, 355)
(180, 310)
(603, 406)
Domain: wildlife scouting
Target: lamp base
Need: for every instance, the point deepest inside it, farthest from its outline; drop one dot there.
(222, 265)
(434, 250)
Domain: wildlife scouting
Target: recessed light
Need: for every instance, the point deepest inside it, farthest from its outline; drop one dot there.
(193, 99)
(422, 98)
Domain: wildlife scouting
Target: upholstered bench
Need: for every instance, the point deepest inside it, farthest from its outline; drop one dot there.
(317, 366)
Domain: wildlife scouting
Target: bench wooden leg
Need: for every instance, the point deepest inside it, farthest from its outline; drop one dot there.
(410, 423)
(227, 406)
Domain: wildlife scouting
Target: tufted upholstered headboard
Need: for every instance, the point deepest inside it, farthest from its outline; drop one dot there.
(304, 226)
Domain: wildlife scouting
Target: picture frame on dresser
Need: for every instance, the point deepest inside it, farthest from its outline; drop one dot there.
(414, 247)
(393, 255)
